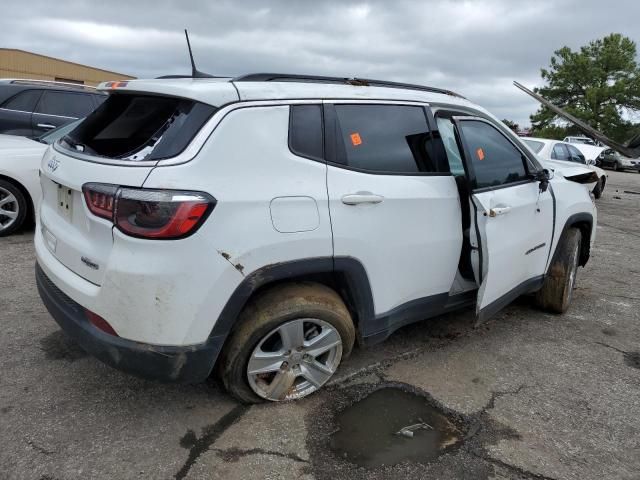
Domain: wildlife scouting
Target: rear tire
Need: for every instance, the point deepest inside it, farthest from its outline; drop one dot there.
(13, 208)
(318, 310)
(557, 290)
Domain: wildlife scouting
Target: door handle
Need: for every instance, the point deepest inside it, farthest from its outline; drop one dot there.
(361, 197)
(495, 211)
(48, 126)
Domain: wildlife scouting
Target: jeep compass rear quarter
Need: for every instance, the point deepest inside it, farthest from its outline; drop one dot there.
(263, 225)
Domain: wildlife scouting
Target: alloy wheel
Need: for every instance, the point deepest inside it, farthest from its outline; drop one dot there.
(9, 209)
(294, 359)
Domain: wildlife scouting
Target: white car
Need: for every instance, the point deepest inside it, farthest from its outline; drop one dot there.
(19, 183)
(557, 151)
(266, 223)
(588, 147)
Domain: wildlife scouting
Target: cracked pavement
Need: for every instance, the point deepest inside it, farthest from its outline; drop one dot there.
(539, 396)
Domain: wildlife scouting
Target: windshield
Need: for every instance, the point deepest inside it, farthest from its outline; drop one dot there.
(53, 135)
(533, 145)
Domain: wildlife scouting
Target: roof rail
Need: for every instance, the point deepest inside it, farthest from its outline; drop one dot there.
(164, 77)
(363, 82)
(25, 81)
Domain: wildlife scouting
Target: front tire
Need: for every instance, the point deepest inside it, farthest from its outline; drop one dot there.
(13, 208)
(557, 290)
(597, 190)
(289, 342)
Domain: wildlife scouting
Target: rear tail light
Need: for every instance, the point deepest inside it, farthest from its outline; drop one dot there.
(160, 213)
(147, 213)
(100, 199)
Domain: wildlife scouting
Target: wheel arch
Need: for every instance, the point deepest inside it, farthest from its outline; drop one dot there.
(24, 191)
(584, 222)
(345, 275)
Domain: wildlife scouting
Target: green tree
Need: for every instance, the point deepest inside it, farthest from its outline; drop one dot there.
(597, 84)
(511, 124)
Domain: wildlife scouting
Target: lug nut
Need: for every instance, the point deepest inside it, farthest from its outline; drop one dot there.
(284, 365)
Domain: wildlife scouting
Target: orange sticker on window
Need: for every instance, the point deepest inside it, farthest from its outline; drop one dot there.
(355, 139)
(480, 154)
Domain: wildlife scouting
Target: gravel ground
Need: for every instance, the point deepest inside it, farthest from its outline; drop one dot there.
(537, 396)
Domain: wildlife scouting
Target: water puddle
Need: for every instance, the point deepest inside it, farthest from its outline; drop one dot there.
(391, 426)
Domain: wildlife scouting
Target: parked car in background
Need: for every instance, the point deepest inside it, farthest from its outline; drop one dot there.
(589, 148)
(30, 108)
(167, 243)
(581, 140)
(612, 159)
(19, 180)
(556, 150)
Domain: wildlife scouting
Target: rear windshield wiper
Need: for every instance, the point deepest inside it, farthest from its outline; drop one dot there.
(76, 146)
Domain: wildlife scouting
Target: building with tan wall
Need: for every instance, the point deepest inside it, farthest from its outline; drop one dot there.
(21, 64)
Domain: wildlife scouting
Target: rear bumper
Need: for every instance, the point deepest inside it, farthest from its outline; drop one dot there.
(182, 364)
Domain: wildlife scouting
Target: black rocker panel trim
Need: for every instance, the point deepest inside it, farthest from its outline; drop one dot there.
(355, 290)
(494, 307)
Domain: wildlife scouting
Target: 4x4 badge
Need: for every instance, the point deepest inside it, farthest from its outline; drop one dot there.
(53, 164)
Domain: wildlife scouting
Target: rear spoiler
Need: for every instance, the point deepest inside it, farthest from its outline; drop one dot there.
(630, 149)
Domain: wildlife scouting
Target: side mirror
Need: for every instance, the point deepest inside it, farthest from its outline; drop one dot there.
(591, 161)
(543, 176)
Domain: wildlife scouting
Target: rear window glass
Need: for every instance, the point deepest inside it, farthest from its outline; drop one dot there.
(533, 145)
(139, 127)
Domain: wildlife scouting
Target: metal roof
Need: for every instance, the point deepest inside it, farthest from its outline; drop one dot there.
(223, 90)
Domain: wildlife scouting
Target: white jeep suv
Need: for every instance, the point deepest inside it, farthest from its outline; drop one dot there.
(264, 224)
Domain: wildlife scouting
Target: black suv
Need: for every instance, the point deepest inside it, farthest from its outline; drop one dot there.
(31, 107)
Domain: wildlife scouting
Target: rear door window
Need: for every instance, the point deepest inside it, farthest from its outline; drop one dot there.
(139, 127)
(65, 104)
(384, 139)
(576, 155)
(560, 152)
(24, 101)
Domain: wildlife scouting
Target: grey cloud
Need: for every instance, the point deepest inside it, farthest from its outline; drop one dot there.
(475, 47)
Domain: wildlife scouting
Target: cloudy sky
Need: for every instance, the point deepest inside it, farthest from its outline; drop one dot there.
(474, 47)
